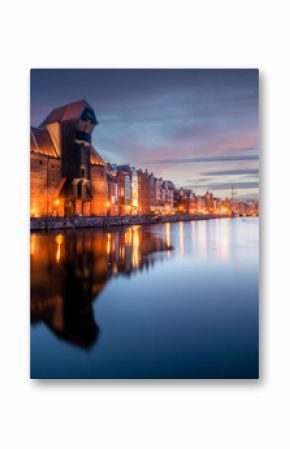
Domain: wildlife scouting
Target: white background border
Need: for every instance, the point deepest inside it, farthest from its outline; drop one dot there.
(201, 414)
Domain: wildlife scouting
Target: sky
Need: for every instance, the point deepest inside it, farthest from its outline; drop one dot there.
(198, 128)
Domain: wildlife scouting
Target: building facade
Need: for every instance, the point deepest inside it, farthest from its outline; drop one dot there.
(123, 176)
(68, 176)
(144, 192)
(134, 191)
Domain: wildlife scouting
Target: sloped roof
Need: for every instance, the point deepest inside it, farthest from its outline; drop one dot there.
(95, 158)
(70, 111)
(40, 142)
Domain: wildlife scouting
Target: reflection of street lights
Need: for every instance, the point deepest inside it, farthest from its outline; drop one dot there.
(59, 239)
(57, 203)
(108, 204)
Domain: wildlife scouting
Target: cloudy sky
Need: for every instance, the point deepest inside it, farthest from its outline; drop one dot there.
(198, 128)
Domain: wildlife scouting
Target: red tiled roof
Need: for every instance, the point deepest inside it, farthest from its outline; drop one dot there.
(40, 142)
(71, 111)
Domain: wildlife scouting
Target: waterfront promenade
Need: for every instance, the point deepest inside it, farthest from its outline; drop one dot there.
(75, 222)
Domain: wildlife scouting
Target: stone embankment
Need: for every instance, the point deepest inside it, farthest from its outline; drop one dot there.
(109, 222)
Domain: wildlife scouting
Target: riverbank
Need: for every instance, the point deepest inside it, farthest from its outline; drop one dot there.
(74, 222)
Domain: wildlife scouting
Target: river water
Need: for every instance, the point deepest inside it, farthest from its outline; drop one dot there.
(170, 301)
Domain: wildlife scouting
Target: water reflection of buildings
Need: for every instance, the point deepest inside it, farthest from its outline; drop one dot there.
(204, 238)
(70, 269)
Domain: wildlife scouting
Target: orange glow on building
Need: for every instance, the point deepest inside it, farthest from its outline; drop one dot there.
(225, 210)
(67, 175)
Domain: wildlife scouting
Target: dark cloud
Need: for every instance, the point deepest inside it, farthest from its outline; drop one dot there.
(234, 171)
(207, 159)
(227, 185)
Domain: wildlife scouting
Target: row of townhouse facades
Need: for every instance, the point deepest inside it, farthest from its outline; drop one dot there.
(69, 177)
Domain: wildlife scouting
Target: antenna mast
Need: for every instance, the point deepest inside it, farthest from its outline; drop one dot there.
(234, 193)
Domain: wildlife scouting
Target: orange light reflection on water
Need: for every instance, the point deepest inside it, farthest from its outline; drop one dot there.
(59, 239)
(135, 246)
(181, 238)
(168, 237)
(222, 239)
(32, 244)
(202, 237)
(109, 243)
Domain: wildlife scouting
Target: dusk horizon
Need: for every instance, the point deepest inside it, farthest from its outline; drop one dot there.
(197, 128)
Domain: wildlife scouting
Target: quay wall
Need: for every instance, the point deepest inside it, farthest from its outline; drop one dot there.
(75, 222)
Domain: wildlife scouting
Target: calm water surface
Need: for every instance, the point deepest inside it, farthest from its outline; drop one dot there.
(173, 300)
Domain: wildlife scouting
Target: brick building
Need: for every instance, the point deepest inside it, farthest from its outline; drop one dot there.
(183, 200)
(68, 176)
(112, 190)
(123, 178)
(144, 192)
(152, 193)
(168, 187)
